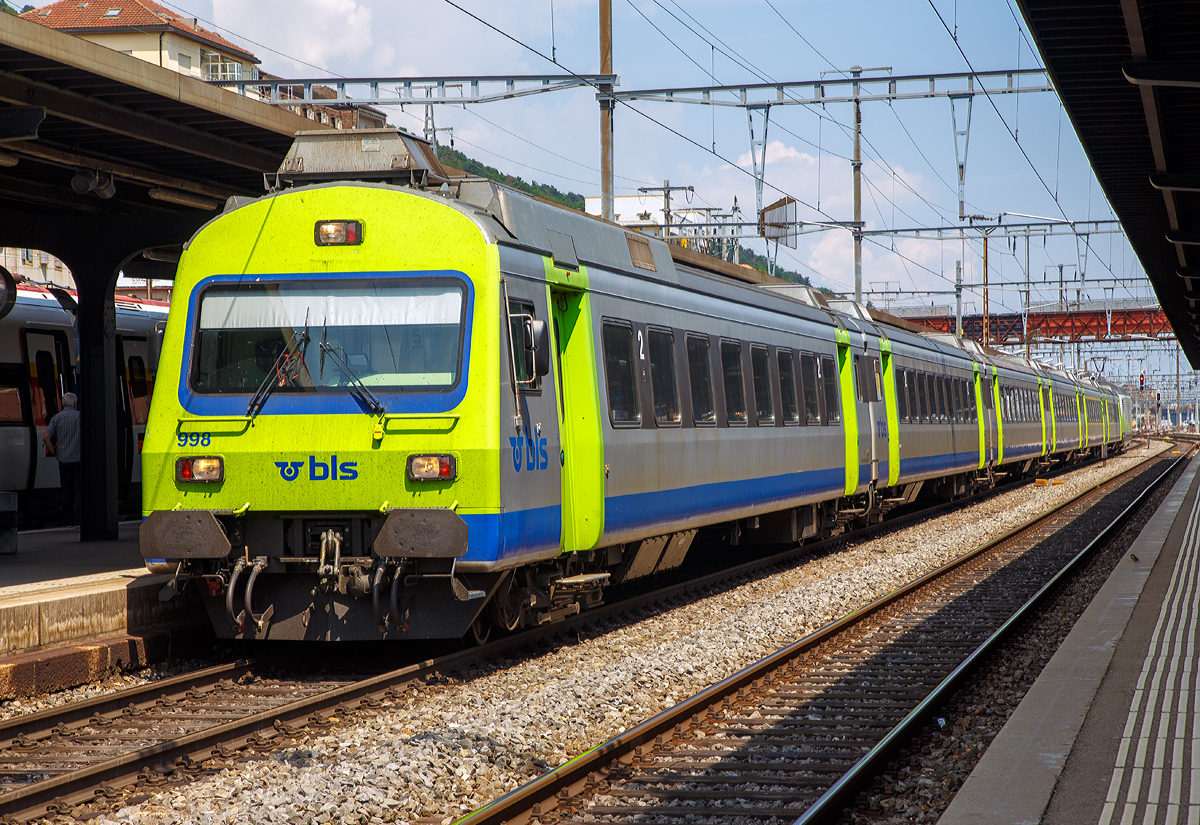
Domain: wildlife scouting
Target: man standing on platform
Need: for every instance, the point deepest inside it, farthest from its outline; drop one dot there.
(62, 441)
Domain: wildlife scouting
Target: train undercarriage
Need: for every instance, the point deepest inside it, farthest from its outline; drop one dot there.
(395, 576)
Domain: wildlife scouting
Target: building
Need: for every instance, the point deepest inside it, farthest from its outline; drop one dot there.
(150, 32)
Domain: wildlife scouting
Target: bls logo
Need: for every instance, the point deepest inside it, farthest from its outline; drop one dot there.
(881, 427)
(534, 450)
(319, 470)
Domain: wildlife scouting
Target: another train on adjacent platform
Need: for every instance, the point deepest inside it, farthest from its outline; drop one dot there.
(406, 406)
(38, 366)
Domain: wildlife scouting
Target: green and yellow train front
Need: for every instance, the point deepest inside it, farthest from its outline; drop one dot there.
(327, 423)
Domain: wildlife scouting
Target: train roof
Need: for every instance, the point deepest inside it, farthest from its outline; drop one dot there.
(388, 158)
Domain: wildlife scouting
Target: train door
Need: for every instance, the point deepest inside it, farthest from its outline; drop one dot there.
(530, 486)
(987, 416)
(872, 416)
(581, 454)
(1046, 417)
(47, 360)
(136, 389)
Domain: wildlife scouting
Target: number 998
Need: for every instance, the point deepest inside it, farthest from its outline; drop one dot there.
(194, 439)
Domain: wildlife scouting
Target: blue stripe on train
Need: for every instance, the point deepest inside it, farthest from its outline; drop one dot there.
(496, 536)
(947, 462)
(644, 510)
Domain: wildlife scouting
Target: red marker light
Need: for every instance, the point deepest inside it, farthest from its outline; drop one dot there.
(432, 467)
(185, 469)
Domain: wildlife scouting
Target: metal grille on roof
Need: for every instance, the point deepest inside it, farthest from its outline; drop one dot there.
(640, 252)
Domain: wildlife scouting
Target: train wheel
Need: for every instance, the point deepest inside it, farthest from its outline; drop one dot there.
(505, 607)
(481, 629)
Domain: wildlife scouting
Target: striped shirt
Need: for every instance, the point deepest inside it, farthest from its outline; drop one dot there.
(64, 431)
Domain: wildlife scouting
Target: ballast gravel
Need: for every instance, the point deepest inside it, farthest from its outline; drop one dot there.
(446, 749)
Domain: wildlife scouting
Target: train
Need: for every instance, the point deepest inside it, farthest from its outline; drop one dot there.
(39, 364)
(406, 405)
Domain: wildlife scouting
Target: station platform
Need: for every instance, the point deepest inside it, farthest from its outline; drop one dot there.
(1109, 733)
(71, 611)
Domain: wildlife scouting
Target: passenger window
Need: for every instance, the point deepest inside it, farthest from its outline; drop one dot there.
(860, 378)
(956, 405)
(901, 397)
(914, 411)
(923, 396)
(787, 387)
(941, 391)
(663, 384)
(620, 372)
(760, 370)
(931, 388)
(829, 378)
(11, 380)
(139, 393)
(811, 389)
(700, 379)
(735, 384)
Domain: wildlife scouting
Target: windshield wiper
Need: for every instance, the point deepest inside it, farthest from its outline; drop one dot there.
(356, 384)
(283, 371)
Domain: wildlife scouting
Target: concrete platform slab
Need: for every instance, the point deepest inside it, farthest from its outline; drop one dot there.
(72, 611)
(1019, 773)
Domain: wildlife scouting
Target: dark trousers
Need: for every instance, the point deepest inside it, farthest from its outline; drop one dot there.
(68, 475)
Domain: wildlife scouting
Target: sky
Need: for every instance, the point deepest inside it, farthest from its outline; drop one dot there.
(1023, 155)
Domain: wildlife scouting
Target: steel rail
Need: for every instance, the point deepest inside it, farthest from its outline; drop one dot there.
(35, 799)
(42, 722)
(539, 795)
(830, 805)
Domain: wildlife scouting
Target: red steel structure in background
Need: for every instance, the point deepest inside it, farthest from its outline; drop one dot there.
(1059, 327)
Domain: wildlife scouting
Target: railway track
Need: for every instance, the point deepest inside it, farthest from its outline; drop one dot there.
(797, 735)
(56, 760)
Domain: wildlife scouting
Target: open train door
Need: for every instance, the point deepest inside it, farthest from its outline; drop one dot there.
(48, 360)
(581, 455)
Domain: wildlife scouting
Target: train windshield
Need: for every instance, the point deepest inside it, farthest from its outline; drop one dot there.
(399, 336)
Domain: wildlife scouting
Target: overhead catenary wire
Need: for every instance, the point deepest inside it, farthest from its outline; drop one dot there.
(1007, 128)
(941, 211)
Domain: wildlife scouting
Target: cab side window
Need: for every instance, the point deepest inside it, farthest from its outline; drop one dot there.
(620, 373)
(516, 323)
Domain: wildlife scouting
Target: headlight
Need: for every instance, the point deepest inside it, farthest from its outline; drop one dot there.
(432, 467)
(338, 233)
(206, 469)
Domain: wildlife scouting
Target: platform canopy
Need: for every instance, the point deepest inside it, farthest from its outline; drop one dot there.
(1128, 73)
(103, 157)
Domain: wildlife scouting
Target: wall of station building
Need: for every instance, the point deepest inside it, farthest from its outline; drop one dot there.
(179, 54)
(35, 265)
